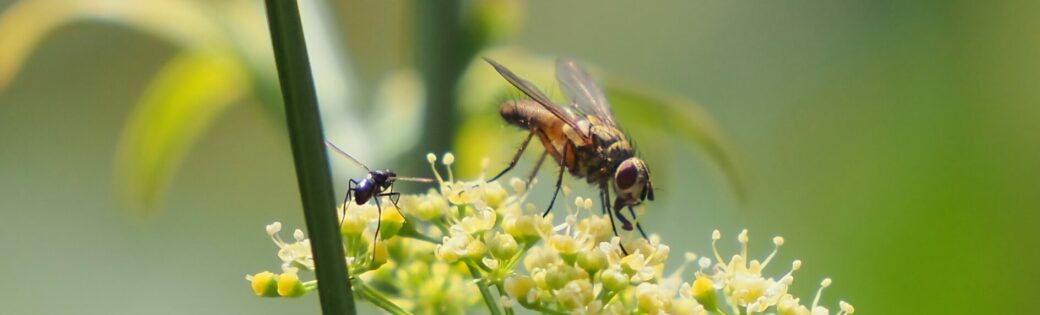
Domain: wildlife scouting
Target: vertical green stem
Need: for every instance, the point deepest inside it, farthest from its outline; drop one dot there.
(443, 48)
(482, 284)
(308, 147)
(502, 292)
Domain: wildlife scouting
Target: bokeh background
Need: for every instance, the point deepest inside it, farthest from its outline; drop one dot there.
(894, 144)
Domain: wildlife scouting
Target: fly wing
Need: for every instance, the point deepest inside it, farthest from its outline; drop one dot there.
(583, 92)
(347, 155)
(532, 91)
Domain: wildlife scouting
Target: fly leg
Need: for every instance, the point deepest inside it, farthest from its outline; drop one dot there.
(351, 186)
(516, 157)
(559, 180)
(638, 227)
(618, 205)
(604, 196)
(394, 198)
(379, 225)
(537, 166)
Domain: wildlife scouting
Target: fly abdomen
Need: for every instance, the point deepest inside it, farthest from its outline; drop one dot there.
(527, 114)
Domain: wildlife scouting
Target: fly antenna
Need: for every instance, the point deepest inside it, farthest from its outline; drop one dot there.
(414, 179)
(347, 155)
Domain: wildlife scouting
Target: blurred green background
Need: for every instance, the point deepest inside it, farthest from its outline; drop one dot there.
(894, 144)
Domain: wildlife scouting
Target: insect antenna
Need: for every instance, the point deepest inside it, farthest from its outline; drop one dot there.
(414, 179)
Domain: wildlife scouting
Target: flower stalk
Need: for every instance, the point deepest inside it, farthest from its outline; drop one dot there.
(308, 147)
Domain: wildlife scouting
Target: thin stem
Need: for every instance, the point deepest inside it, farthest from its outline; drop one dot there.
(489, 298)
(378, 299)
(502, 292)
(308, 148)
(546, 310)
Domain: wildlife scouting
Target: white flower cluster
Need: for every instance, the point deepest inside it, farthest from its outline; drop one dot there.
(470, 237)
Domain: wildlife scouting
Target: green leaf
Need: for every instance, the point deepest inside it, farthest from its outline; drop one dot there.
(179, 104)
(26, 23)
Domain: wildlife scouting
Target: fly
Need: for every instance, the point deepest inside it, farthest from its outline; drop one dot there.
(583, 138)
(378, 183)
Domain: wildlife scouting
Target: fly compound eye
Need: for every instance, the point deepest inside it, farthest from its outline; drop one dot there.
(626, 175)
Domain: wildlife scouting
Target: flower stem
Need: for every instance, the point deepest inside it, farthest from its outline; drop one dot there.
(378, 299)
(308, 148)
(501, 292)
(482, 284)
(546, 310)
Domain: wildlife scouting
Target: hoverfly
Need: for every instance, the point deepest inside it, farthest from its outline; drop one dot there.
(583, 138)
(378, 183)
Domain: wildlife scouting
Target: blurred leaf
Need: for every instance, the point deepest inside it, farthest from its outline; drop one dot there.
(177, 107)
(26, 23)
(645, 109)
(638, 108)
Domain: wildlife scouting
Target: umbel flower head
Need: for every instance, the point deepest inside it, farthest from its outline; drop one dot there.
(469, 241)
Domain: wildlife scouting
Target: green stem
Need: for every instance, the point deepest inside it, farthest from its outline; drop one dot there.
(378, 299)
(502, 292)
(489, 298)
(443, 47)
(546, 310)
(308, 148)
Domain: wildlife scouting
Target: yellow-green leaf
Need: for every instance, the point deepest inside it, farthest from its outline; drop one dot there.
(178, 106)
(25, 23)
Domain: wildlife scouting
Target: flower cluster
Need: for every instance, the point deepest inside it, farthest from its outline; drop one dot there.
(476, 240)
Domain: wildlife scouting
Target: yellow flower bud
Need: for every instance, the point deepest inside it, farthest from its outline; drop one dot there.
(264, 284)
(289, 285)
(353, 224)
(704, 292)
(429, 207)
(566, 246)
(576, 294)
(592, 260)
(476, 249)
(527, 228)
(504, 247)
(379, 255)
(519, 287)
(614, 280)
(558, 275)
(494, 194)
(391, 223)
(649, 298)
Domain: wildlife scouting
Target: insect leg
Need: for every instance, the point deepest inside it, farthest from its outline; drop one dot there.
(346, 200)
(394, 198)
(604, 196)
(618, 205)
(638, 226)
(537, 166)
(516, 157)
(559, 181)
(379, 224)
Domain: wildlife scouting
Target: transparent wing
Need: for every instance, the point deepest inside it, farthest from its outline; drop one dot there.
(347, 155)
(584, 93)
(532, 91)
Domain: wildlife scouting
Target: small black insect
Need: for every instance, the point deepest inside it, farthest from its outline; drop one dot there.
(378, 183)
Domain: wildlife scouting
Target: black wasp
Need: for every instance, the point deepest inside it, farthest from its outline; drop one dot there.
(378, 183)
